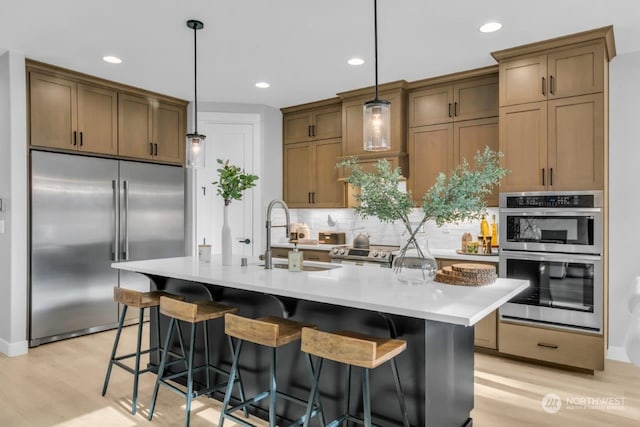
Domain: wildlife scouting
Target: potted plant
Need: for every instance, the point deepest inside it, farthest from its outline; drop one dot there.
(455, 197)
(232, 182)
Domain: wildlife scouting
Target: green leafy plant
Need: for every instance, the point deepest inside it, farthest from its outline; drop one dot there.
(232, 181)
(455, 197)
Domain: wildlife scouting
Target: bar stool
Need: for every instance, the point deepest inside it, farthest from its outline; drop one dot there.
(140, 300)
(270, 332)
(194, 313)
(353, 349)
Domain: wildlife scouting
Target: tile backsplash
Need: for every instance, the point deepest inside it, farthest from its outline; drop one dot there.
(446, 237)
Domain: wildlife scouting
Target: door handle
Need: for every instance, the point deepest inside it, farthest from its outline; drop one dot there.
(550, 176)
(75, 138)
(313, 130)
(125, 186)
(80, 139)
(155, 149)
(544, 86)
(551, 85)
(455, 109)
(151, 148)
(114, 206)
(313, 197)
(246, 241)
(309, 197)
(309, 131)
(449, 109)
(542, 176)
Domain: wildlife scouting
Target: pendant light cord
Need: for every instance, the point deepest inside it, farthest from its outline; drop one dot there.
(195, 79)
(375, 31)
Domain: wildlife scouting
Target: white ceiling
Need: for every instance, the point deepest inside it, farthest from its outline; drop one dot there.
(299, 46)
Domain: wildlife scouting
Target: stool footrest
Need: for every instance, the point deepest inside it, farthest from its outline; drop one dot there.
(130, 369)
(263, 395)
(337, 422)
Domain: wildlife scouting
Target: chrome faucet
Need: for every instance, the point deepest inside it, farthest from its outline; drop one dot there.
(267, 253)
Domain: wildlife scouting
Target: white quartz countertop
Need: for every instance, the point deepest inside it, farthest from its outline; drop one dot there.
(318, 247)
(370, 288)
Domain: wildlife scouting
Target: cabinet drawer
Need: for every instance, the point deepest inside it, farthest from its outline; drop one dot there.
(566, 348)
(307, 254)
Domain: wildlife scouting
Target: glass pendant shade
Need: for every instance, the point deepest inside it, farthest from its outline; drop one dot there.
(377, 129)
(195, 150)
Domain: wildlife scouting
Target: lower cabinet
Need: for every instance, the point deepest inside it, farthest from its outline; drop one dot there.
(552, 345)
(307, 254)
(486, 330)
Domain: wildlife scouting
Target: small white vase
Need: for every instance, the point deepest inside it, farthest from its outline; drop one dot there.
(227, 248)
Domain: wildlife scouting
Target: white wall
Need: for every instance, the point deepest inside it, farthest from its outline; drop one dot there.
(624, 203)
(13, 192)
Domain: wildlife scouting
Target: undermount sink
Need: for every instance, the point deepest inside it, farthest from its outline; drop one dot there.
(306, 267)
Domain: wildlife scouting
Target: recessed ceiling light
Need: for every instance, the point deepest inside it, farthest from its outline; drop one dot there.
(490, 27)
(112, 59)
(263, 85)
(355, 61)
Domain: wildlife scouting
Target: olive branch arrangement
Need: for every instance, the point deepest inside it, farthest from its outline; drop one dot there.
(456, 197)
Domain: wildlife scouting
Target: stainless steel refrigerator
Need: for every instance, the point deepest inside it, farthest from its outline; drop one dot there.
(86, 213)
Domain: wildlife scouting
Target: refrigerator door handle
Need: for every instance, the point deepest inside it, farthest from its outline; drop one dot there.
(115, 209)
(125, 186)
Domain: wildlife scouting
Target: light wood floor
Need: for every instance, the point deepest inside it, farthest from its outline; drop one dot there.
(59, 384)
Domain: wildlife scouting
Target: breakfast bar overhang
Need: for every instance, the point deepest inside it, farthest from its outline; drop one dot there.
(436, 320)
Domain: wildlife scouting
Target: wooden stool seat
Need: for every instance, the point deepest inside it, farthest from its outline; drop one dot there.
(351, 348)
(268, 331)
(272, 332)
(139, 299)
(193, 312)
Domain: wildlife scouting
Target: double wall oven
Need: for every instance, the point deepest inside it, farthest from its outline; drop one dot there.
(554, 240)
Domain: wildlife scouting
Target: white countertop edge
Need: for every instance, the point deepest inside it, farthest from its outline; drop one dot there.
(162, 270)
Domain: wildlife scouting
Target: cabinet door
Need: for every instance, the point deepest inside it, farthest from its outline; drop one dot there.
(97, 119)
(576, 143)
(523, 80)
(298, 159)
(169, 133)
(296, 127)
(523, 143)
(430, 152)
(576, 71)
(475, 99)
(134, 126)
(52, 111)
(327, 123)
(472, 136)
(431, 106)
(328, 192)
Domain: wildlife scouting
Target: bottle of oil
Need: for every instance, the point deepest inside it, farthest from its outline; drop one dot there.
(484, 227)
(494, 231)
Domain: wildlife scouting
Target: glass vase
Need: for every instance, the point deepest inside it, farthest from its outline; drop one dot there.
(227, 248)
(414, 264)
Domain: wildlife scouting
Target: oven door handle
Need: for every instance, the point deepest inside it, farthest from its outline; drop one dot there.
(548, 256)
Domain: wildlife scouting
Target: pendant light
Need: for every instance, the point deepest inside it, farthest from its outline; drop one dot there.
(377, 113)
(195, 141)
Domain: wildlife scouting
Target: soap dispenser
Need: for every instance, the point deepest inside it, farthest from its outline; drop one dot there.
(295, 259)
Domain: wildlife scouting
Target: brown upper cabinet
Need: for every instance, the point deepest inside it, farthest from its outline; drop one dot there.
(353, 118)
(445, 103)
(78, 112)
(69, 115)
(558, 68)
(310, 175)
(150, 129)
(552, 112)
(313, 124)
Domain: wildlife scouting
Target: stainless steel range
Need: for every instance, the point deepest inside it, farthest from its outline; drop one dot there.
(380, 255)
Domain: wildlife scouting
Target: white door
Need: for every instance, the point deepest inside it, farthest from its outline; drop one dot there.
(233, 137)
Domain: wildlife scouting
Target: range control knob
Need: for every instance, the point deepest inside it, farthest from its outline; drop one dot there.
(383, 254)
(375, 254)
(334, 250)
(341, 252)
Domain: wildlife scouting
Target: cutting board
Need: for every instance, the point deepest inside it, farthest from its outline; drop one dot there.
(467, 274)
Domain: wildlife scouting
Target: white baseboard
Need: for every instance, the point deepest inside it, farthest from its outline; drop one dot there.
(12, 349)
(618, 353)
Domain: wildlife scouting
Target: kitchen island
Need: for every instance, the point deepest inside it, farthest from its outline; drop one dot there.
(436, 320)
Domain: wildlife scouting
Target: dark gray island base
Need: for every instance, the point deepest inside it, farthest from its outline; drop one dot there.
(436, 370)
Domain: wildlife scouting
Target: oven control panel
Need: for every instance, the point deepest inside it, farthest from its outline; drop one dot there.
(551, 201)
